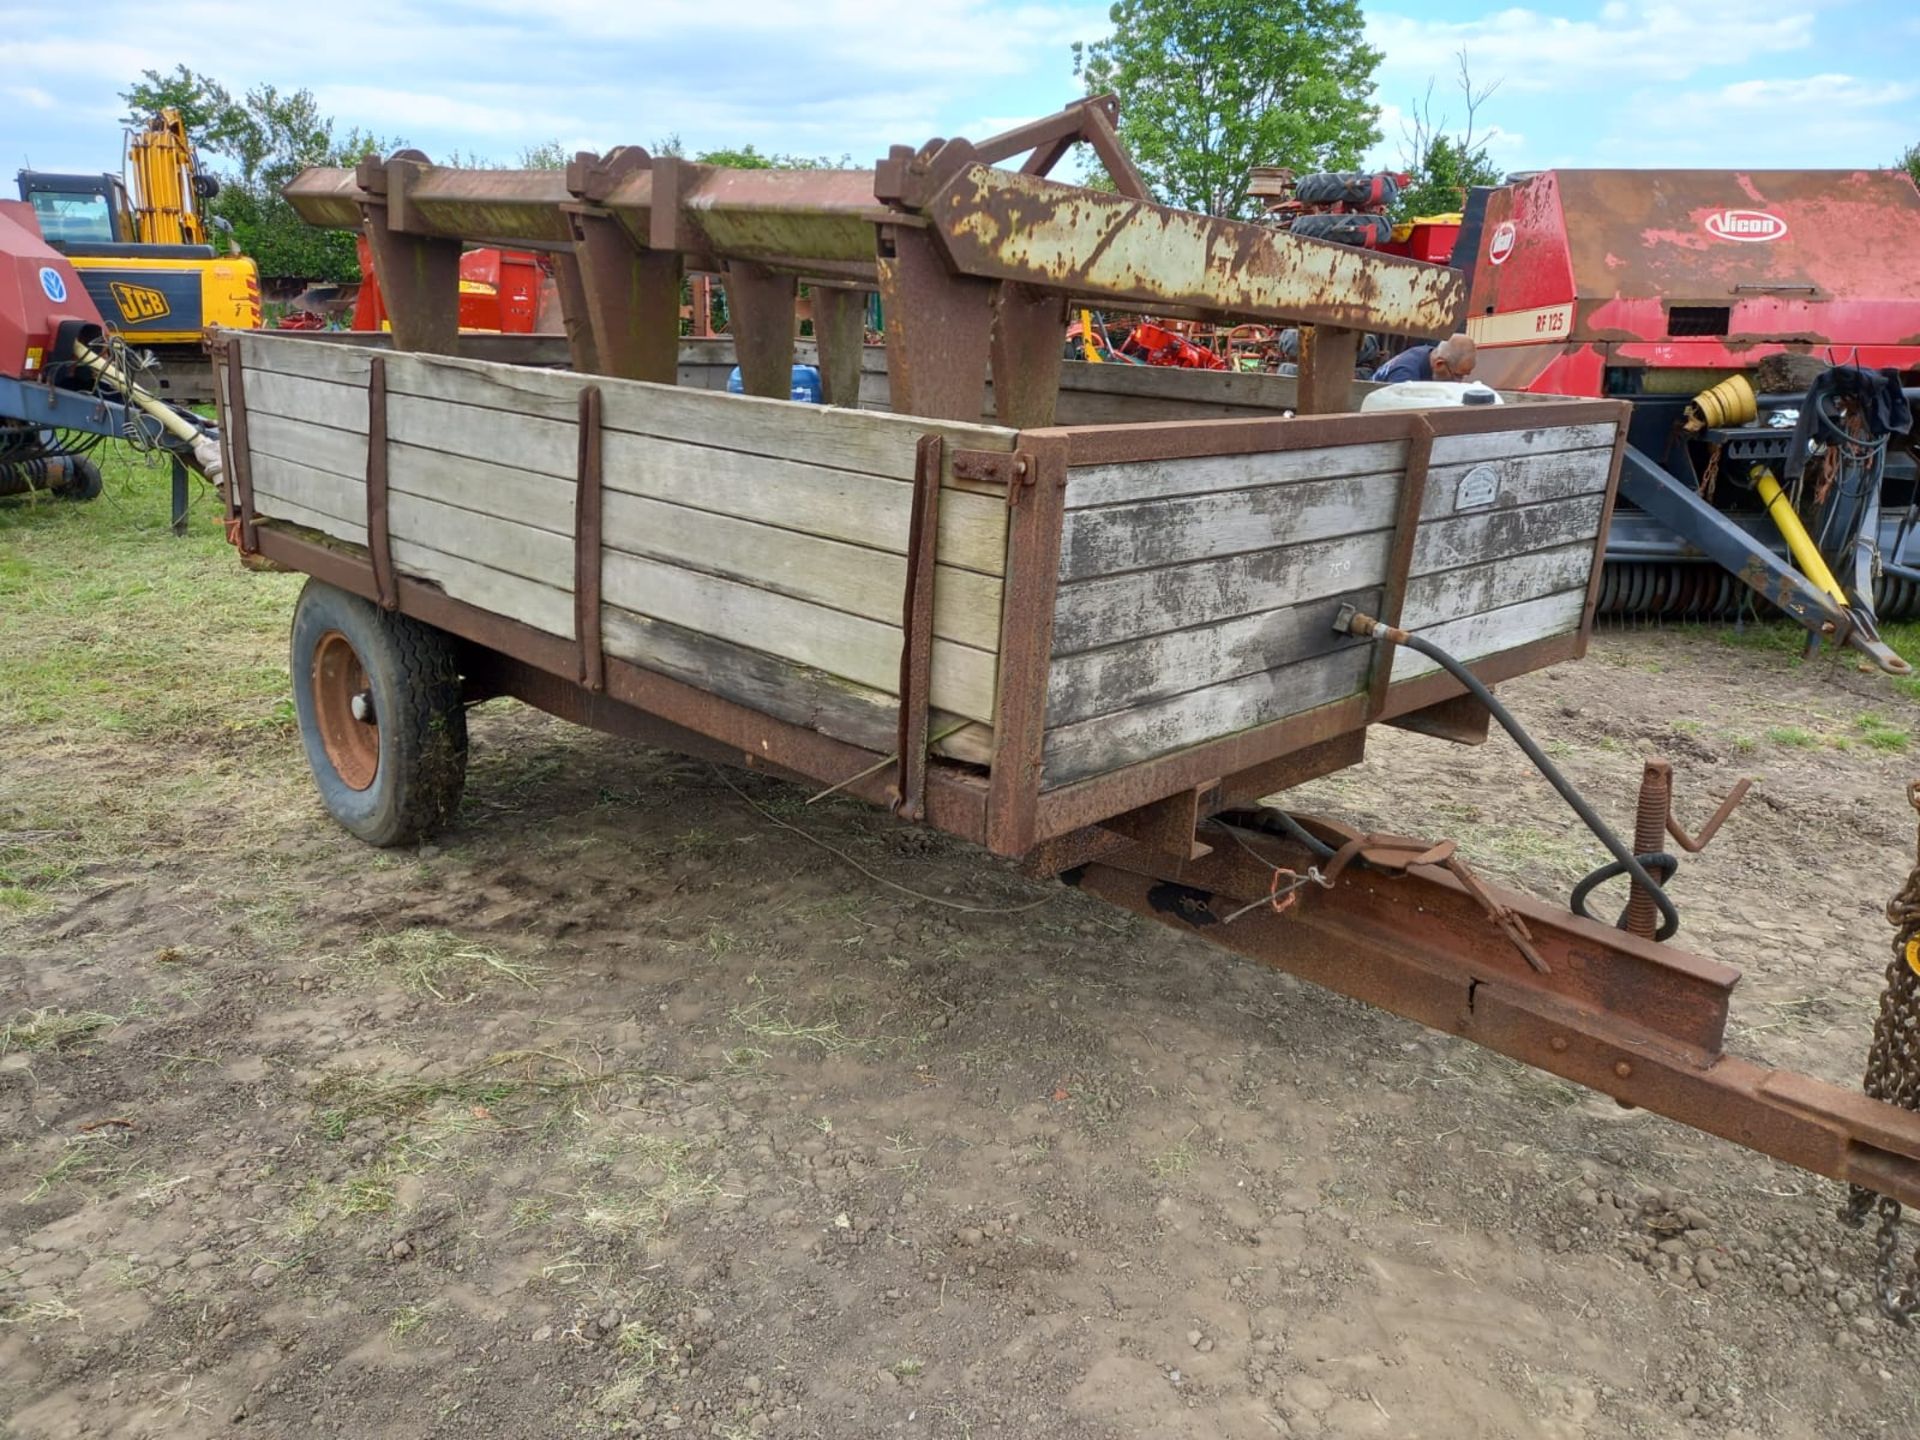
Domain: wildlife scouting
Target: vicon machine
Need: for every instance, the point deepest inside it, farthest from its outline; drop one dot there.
(1766, 327)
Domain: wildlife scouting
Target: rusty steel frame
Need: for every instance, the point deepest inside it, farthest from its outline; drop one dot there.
(1637, 1020)
(974, 263)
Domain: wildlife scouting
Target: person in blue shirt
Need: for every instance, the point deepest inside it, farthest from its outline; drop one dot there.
(1451, 359)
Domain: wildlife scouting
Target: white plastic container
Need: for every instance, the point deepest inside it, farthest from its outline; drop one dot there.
(1430, 395)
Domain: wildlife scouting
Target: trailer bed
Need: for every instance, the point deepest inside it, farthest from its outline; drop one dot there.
(1148, 607)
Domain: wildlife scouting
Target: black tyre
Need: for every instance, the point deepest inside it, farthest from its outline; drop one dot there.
(378, 701)
(1369, 232)
(1348, 187)
(84, 483)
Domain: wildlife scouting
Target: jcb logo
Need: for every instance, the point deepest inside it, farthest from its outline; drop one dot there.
(138, 302)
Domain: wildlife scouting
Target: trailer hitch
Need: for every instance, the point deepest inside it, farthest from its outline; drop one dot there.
(1631, 1018)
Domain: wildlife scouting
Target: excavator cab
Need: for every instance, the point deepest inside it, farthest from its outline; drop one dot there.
(79, 209)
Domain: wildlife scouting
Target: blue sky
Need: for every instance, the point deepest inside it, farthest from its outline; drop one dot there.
(1788, 83)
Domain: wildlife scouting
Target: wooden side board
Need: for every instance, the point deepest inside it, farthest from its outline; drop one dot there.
(759, 546)
(1197, 595)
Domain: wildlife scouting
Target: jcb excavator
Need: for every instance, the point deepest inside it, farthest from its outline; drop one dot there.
(142, 245)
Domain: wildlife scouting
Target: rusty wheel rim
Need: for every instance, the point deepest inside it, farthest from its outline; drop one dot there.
(340, 689)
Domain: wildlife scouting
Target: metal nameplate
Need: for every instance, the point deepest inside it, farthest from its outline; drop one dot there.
(1479, 486)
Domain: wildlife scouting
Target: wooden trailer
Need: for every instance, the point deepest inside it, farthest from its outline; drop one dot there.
(1114, 615)
(1083, 616)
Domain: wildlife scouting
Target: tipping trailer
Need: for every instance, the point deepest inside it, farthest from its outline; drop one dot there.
(1653, 286)
(1085, 621)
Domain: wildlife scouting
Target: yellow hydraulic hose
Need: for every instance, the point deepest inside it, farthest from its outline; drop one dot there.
(1805, 553)
(1088, 349)
(205, 451)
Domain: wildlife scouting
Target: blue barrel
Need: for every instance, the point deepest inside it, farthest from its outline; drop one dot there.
(806, 384)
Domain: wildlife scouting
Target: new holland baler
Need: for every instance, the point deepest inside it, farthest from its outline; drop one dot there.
(66, 382)
(1658, 285)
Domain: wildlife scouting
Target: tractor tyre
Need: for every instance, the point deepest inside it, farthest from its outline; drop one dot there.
(378, 701)
(1367, 232)
(1346, 188)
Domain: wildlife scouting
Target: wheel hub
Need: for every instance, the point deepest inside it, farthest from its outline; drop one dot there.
(343, 711)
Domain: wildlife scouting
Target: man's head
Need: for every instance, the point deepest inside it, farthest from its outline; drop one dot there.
(1452, 358)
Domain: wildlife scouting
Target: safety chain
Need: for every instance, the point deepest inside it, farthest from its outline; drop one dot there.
(1893, 1075)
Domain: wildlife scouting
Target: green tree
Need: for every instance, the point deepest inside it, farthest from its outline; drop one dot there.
(547, 155)
(1911, 161)
(254, 146)
(746, 157)
(1211, 88)
(1445, 165)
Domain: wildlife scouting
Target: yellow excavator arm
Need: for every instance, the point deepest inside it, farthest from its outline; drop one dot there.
(168, 188)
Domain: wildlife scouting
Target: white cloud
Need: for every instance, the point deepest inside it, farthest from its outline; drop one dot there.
(32, 96)
(492, 76)
(1639, 40)
(1776, 123)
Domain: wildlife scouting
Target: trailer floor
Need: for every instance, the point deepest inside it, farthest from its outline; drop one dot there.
(625, 1111)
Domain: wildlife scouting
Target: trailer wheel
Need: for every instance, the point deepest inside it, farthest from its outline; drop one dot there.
(378, 701)
(85, 483)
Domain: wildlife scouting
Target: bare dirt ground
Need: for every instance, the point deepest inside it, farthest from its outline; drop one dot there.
(624, 1111)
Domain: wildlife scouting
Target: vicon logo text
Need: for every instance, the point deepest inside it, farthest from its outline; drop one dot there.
(1746, 226)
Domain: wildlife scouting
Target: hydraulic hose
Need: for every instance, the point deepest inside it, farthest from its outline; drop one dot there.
(1805, 553)
(200, 447)
(1625, 862)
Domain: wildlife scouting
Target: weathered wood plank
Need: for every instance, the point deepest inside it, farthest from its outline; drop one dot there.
(1450, 594)
(541, 606)
(787, 691)
(1157, 533)
(1518, 480)
(813, 499)
(826, 572)
(1108, 742)
(319, 402)
(864, 651)
(1474, 637)
(1134, 481)
(1139, 672)
(278, 507)
(538, 555)
(835, 503)
(317, 491)
(1522, 440)
(309, 359)
(320, 447)
(522, 442)
(1472, 538)
(852, 439)
(1114, 608)
(541, 502)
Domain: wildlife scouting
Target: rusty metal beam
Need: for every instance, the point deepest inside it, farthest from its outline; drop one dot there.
(1119, 249)
(1027, 355)
(760, 313)
(939, 329)
(1006, 226)
(1632, 1019)
(632, 298)
(1327, 356)
(840, 333)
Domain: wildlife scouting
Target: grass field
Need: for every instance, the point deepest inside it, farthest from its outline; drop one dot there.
(157, 652)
